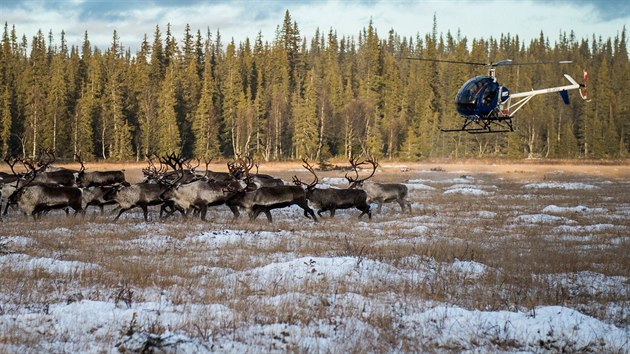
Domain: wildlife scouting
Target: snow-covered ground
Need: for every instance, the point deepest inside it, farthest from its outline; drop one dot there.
(436, 279)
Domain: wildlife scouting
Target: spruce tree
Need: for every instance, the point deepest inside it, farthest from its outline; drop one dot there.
(205, 125)
(305, 135)
(168, 135)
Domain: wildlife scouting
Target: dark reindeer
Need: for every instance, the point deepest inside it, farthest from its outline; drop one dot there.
(43, 174)
(259, 179)
(379, 192)
(222, 176)
(98, 178)
(264, 199)
(331, 199)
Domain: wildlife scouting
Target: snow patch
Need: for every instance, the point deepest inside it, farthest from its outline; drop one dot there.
(575, 209)
(466, 190)
(541, 219)
(559, 185)
(23, 262)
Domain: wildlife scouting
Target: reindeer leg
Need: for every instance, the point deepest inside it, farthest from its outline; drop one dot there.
(268, 215)
(203, 212)
(122, 210)
(235, 211)
(308, 212)
(365, 210)
(253, 214)
(6, 208)
(332, 212)
(145, 212)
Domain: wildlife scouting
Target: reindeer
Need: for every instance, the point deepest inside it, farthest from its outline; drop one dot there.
(199, 194)
(64, 177)
(95, 196)
(259, 179)
(222, 176)
(140, 195)
(98, 178)
(147, 193)
(8, 183)
(11, 183)
(379, 192)
(264, 199)
(38, 198)
(331, 199)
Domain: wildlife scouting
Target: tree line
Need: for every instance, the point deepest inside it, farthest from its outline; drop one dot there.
(296, 98)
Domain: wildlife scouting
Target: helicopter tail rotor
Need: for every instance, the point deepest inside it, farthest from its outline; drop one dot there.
(583, 89)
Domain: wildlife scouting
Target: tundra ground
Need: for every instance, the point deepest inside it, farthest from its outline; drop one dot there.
(493, 257)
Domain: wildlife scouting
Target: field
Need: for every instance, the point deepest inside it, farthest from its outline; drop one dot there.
(493, 257)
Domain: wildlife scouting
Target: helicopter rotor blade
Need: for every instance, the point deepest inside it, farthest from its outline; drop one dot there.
(510, 63)
(446, 61)
(504, 62)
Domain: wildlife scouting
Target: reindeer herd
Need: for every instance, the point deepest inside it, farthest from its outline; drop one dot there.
(176, 185)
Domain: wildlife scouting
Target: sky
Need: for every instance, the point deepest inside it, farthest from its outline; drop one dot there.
(240, 19)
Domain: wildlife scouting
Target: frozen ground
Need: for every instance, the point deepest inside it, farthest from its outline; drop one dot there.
(485, 262)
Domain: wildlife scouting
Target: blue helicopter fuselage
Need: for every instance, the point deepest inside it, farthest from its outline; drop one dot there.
(479, 96)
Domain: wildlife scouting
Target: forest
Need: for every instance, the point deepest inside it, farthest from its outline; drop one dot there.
(318, 98)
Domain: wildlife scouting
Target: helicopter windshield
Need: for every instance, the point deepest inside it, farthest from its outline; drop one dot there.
(466, 99)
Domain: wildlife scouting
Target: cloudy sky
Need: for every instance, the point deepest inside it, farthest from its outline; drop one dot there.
(239, 19)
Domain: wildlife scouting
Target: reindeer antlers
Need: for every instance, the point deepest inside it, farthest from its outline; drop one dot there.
(355, 166)
(11, 162)
(310, 169)
(77, 158)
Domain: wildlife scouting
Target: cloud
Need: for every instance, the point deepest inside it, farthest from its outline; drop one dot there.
(604, 10)
(242, 19)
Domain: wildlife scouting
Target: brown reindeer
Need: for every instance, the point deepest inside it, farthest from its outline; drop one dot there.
(379, 192)
(264, 199)
(331, 199)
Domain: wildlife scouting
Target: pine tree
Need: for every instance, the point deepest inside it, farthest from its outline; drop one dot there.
(370, 91)
(205, 124)
(56, 120)
(36, 97)
(278, 90)
(305, 136)
(393, 100)
(115, 139)
(5, 121)
(168, 135)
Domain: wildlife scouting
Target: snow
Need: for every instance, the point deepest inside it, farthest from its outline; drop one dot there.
(561, 185)
(465, 189)
(576, 209)
(334, 180)
(23, 262)
(342, 299)
(418, 187)
(550, 328)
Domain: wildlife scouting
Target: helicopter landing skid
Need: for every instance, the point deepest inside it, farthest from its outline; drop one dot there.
(484, 126)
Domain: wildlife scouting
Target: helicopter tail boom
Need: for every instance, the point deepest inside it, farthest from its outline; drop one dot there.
(574, 85)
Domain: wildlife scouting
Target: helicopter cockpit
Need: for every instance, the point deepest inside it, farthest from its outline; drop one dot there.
(477, 97)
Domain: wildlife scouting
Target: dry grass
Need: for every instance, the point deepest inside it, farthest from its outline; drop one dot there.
(134, 260)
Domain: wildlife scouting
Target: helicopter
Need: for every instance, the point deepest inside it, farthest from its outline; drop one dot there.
(488, 107)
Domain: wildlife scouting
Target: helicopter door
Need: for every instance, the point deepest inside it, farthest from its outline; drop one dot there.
(488, 98)
(468, 97)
